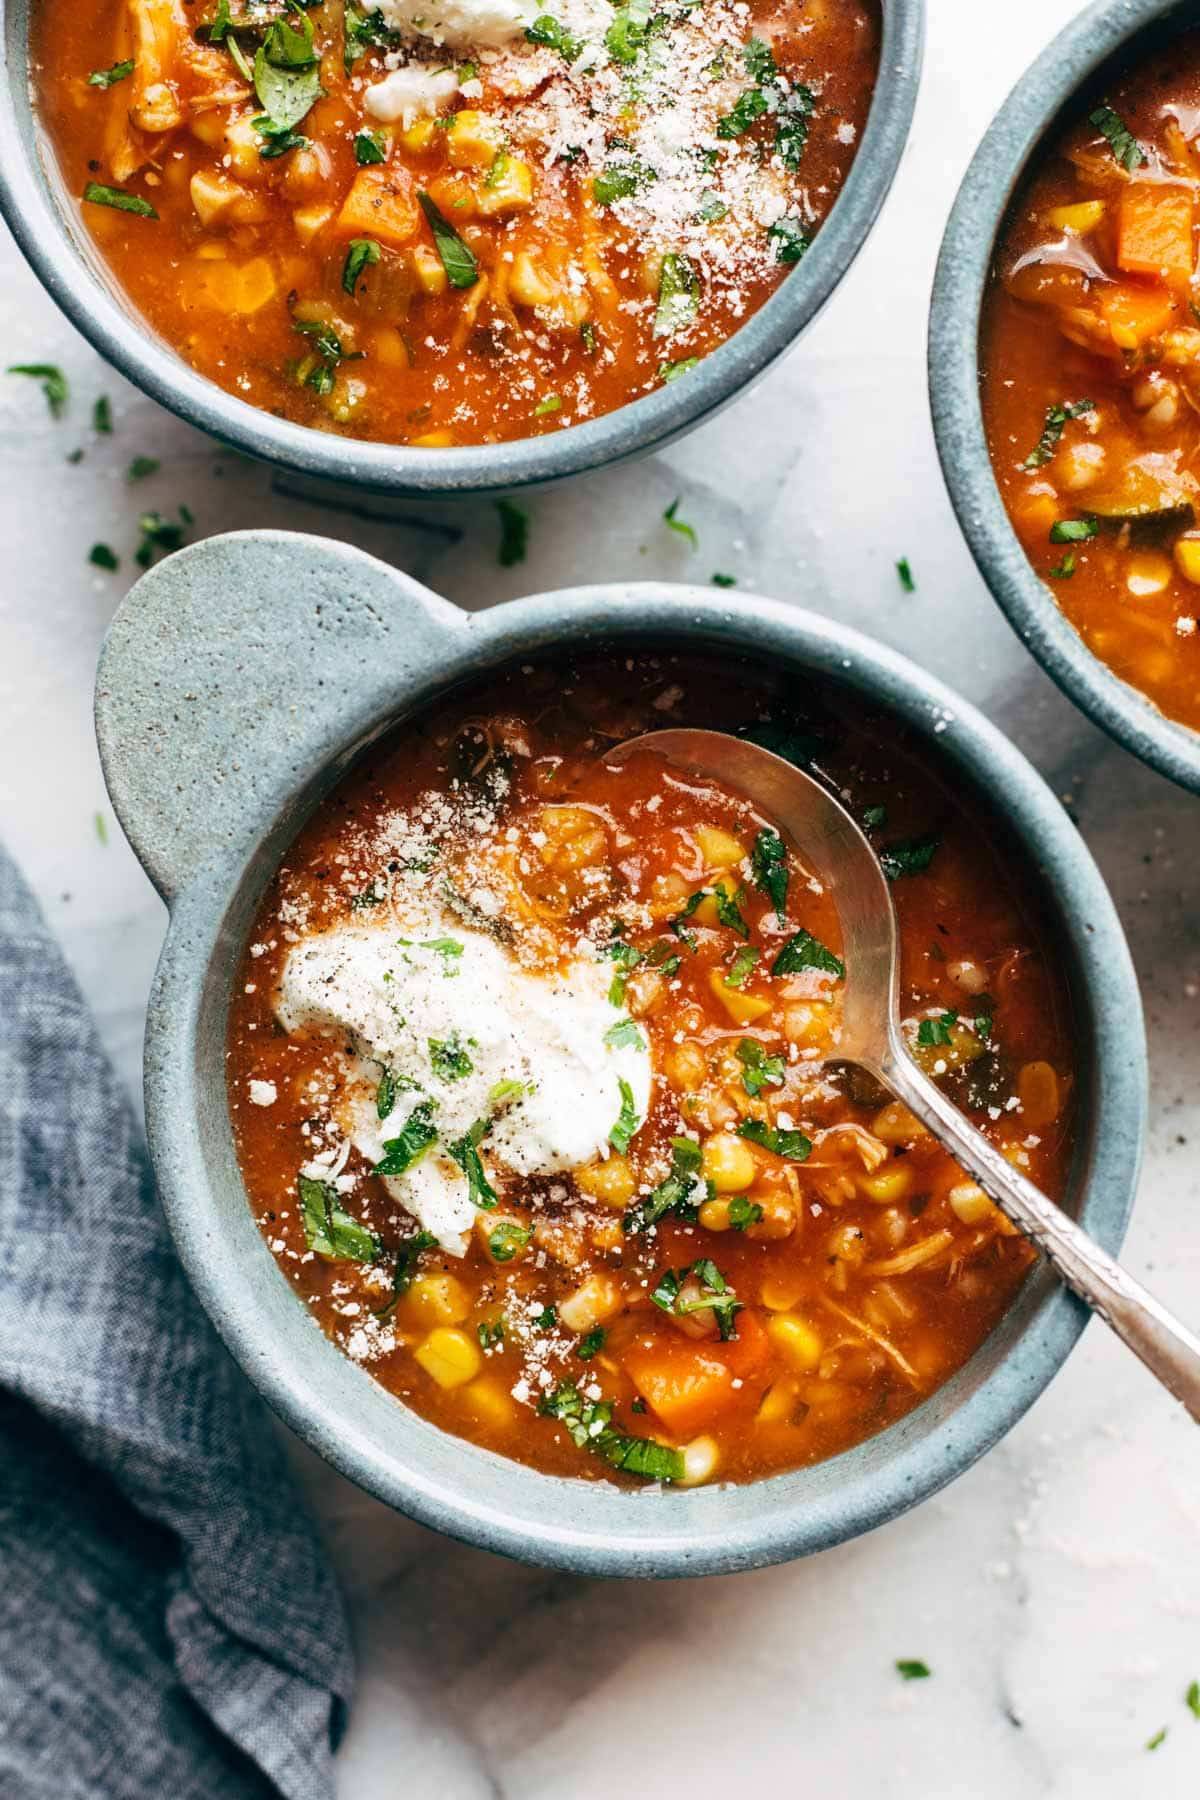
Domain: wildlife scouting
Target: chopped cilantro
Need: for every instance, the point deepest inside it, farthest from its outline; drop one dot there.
(728, 912)
(368, 148)
(621, 1135)
(514, 533)
(418, 1133)
(1154, 1742)
(874, 816)
(743, 1212)
(789, 238)
(743, 966)
(408, 1254)
(159, 535)
(910, 1669)
(54, 384)
(1062, 571)
(1192, 1699)
(457, 258)
(1073, 531)
(448, 1059)
(490, 1333)
(102, 416)
(547, 1319)
(723, 581)
(904, 571)
(1121, 141)
(547, 31)
(678, 296)
(101, 825)
(96, 194)
(758, 1069)
(1052, 430)
(910, 857)
(106, 78)
(551, 404)
(676, 1194)
(142, 467)
(804, 951)
(624, 1035)
(769, 870)
(465, 1151)
(936, 1032)
(715, 1295)
(104, 557)
(793, 1146)
(680, 525)
(589, 1426)
(671, 371)
(329, 1230)
(363, 253)
(588, 1346)
(507, 1239)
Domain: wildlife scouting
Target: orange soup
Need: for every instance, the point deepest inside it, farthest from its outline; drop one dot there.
(452, 223)
(1091, 376)
(532, 1072)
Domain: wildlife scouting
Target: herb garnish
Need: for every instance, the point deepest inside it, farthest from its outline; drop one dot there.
(514, 533)
(319, 371)
(106, 78)
(675, 523)
(465, 1151)
(743, 1212)
(103, 556)
(743, 966)
(142, 467)
(790, 104)
(1052, 430)
(363, 32)
(102, 416)
(904, 571)
(715, 1296)
(758, 1069)
(793, 1146)
(1158, 1738)
(678, 296)
(159, 535)
(507, 1239)
(1121, 141)
(769, 870)
(588, 1346)
(448, 1059)
(368, 148)
(54, 384)
(629, 32)
(804, 951)
(676, 1194)
(1062, 571)
(909, 857)
(933, 1033)
(287, 81)
(97, 194)
(547, 31)
(912, 1670)
(589, 1425)
(723, 581)
(1192, 1699)
(621, 177)
(418, 1133)
(621, 1135)
(329, 1230)
(363, 253)
(624, 1035)
(1073, 531)
(408, 1254)
(790, 239)
(457, 258)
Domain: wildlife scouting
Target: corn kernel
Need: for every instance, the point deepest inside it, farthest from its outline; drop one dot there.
(779, 1293)
(889, 1185)
(308, 220)
(529, 284)
(434, 1300)
(714, 1216)
(595, 1300)
(795, 1340)
(1147, 574)
(473, 140)
(449, 1357)
(434, 440)
(1187, 558)
(507, 188)
(1037, 1090)
(700, 1460)
(490, 1404)
(1080, 218)
(613, 1182)
(728, 1162)
(894, 1124)
(969, 1204)
(419, 135)
(779, 1403)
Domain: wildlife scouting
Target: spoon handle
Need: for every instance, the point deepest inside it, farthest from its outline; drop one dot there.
(1168, 1349)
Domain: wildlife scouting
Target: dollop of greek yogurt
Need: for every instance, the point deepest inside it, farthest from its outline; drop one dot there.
(527, 1062)
(412, 92)
(459, 24)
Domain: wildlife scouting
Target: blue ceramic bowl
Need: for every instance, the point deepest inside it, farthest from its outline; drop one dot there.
(45, 221)
(215, 753)
(1109, 34)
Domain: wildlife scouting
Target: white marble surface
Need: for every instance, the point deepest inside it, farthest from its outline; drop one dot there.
(1055, 1590)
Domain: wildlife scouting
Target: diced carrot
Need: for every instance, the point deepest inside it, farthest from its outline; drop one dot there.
(381, 204)
(1154, 236)
(687, 1388)
(1135, 314)
(748, 1355)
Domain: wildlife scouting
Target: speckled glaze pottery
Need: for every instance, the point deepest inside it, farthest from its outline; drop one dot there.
(45, 221)
(239, 680)
(1105, 35)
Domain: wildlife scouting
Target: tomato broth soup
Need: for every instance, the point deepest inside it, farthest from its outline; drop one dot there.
(532, 1072)
(458, 222)
(1091, 375)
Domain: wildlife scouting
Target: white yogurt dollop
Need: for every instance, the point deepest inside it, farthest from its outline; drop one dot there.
(461, 1026)
(459, 24)
(413, 92)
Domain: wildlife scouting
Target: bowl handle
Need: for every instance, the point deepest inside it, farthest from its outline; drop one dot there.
(235, 669)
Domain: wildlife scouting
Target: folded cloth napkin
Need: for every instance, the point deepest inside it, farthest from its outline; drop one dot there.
(169, 1627)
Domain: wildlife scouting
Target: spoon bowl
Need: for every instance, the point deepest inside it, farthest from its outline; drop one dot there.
(832, 843)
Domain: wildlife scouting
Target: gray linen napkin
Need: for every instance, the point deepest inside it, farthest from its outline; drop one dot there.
(169, 1628)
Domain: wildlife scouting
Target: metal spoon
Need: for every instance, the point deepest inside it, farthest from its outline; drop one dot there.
(832, 843)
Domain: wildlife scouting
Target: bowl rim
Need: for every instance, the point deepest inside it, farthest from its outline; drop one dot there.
(57, 248)
(995, 174)
(919, 1454)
